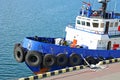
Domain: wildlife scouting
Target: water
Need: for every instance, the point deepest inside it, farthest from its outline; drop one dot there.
(21, 18)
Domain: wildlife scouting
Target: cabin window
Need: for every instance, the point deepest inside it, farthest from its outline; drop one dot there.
(88, 24)
(102, 25)
(116, 24)
(78, 21)
(83, 23)
(95, 25)
(111, 24)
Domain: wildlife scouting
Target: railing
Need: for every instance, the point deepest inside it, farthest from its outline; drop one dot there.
(117, 15)
(98, 14)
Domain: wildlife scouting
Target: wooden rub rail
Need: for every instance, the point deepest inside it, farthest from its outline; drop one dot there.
(69, 69)
(53, 73)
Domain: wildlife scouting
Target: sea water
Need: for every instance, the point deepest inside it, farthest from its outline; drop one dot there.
(22, 18)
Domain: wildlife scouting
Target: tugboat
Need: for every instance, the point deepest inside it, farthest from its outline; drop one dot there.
(95, 37)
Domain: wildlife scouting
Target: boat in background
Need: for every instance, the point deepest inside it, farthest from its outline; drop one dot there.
(95, 37)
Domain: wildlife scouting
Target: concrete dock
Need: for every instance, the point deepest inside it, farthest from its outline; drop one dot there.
(110, 72)
(104, 70)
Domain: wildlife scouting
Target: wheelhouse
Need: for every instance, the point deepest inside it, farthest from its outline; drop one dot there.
(98, 26)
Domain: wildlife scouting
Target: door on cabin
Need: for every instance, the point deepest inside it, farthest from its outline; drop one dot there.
(106, 28)
(109, 45)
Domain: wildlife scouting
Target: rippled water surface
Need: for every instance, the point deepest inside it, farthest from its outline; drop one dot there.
(21, 18)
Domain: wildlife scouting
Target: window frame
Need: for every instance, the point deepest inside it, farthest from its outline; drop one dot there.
(87, 24)
(83, 22)
(78, 22)
(95, 24)
(102, 25)
(111, 24)
(116, 24)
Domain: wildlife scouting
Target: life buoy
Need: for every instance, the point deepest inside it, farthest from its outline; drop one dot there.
(90, 60)
(19, 53)
(33, 58)
(61, 59)
(49, 60)
(75, 59)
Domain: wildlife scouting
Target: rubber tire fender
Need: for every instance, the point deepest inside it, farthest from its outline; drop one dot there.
(33, 58)
(49, 60)
(16, 45)
(110, 57)
(75, 59)
(91, 60)
(19, 54)
(62, 59)
(100, 58)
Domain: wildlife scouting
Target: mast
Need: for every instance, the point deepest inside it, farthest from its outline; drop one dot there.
(104, 7)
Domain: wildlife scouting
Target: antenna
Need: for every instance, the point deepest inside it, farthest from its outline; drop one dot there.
(86, 3)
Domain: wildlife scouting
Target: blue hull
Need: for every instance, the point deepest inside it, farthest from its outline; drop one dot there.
(47, 46)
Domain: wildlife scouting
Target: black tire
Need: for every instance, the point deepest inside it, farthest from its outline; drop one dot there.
(110, 57)
(62, 59)
(91, 60)
(75, 59)
(16, 45)
(100, 58)
(33, 58)
(49, 60)
(19, 54)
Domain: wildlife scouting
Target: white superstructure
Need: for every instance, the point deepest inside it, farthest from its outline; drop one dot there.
(95, 31)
